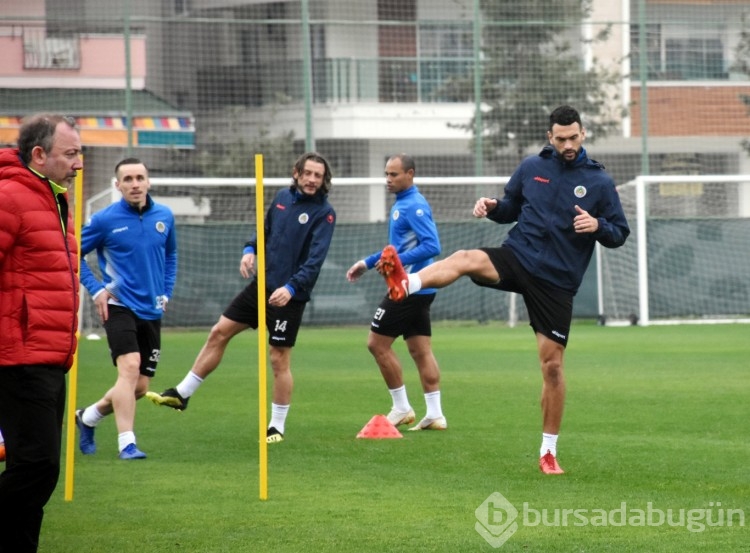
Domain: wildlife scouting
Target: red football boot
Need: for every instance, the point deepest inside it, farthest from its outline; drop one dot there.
(548, 464)
(395, 276)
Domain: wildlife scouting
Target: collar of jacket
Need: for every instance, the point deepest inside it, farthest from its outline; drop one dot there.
(407, 192)
(319, 196)
(56, 188)
(141, 211)
(549, 152)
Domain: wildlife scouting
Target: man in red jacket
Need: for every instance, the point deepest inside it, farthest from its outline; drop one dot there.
(38, 318)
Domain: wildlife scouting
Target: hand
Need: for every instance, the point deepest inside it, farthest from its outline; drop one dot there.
(280, 297)
(584, 223)
(483, 207)
(356, 271)
(101, 302)
(247, 265)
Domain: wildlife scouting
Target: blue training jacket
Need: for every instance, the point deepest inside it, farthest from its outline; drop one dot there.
(137, 255)
(298, 232)
(541, 196)
(412, 232)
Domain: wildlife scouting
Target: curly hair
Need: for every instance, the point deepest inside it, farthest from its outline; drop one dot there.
(299, 166)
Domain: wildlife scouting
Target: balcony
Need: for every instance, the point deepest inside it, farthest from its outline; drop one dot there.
(43, 52)
(337, 80)
(32, 57)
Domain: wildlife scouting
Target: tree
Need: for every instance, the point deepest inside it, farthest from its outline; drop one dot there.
(237, 158)
(530, 67)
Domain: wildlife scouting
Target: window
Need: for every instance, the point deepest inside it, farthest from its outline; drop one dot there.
(445, 51)
(680, 52)
(695, 58)
(44, 52)
(453, 40)
(181, 7)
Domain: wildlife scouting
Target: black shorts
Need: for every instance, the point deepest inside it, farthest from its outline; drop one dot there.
(126, 333)
(282, 322)
(550, 308)
(407, 318)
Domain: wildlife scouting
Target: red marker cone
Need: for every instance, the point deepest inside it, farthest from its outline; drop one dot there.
(379, 428)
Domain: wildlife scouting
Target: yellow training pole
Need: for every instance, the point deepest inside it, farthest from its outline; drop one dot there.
(260, 260)
(73, 373)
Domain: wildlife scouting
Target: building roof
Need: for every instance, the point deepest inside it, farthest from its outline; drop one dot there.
(101, 115)
(82, 101)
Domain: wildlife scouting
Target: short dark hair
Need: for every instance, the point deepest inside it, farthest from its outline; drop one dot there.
(299, 166)
(407, 162)
(564, 115)
(129, 161)
(39, 130)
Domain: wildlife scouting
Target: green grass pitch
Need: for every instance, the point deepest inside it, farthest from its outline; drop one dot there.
(654, 417)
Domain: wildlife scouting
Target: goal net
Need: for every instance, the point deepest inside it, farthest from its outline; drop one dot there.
(688, 256)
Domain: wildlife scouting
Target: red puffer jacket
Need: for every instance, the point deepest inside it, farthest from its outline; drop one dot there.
(38, 270)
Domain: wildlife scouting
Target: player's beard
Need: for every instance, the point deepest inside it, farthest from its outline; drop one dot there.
(570, 155)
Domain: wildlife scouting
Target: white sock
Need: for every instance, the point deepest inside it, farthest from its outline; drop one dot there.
(415, 283)
(91, 416)
(124, 439)
(189, 384)
(549, 443)
(434, 410)
(278, 416)
(400, 399)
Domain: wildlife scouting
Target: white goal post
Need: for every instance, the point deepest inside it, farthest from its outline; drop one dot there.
(688, 256)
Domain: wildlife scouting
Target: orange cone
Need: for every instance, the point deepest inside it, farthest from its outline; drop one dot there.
(378, 428)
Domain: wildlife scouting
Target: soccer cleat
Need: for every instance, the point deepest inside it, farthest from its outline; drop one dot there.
(2, 452)
(131, 452)
(86, 441)
(393, 272)
(170, 398)
(397, 418)
(431, 424)
(548, 464)
(273, 436)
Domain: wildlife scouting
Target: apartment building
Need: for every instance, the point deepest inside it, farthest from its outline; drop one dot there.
(358, 79)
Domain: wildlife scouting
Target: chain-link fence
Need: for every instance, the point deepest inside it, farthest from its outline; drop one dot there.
(195, 88)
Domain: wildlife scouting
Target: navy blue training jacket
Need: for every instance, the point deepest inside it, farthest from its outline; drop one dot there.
(541, 197)
(298, 232)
